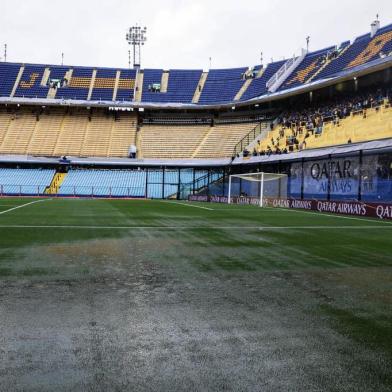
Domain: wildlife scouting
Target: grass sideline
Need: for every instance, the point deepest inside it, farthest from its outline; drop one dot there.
(327, 269)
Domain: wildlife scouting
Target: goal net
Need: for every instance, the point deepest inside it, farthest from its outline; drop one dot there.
(256, 188)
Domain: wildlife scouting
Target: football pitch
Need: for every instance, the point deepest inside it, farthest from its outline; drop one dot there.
(140, 295)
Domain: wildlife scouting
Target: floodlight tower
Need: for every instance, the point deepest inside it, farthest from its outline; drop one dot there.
(137, 36)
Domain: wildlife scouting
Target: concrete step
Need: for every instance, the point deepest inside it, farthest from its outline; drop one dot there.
(199, 88)
(164, 81)
(17, 81)
(92, 82)
(45, 77)
(139, 86)
(118, 73)
(243, 88)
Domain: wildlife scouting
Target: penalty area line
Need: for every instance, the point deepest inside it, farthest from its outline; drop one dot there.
(23, 205)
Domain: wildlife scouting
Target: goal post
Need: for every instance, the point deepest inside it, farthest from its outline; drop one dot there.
(255, 188)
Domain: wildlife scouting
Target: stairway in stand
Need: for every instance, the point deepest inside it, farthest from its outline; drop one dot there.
(54, 186)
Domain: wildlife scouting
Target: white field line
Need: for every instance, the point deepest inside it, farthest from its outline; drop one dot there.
(22, 205)
(266, 228)
(188, 205)
(333, 215)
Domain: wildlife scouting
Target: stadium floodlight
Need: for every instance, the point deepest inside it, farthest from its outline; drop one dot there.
(137, 37)
(256, 188)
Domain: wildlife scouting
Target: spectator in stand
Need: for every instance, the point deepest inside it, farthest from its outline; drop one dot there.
(311, 120)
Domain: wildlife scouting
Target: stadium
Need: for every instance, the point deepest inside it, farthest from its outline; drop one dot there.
(198, 229)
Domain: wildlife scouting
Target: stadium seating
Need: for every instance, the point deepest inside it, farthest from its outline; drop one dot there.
(30, 84)
(192, 141)
(25, 181)
(181, 87)
(221, 140)
(58, 72)
(104, 85)
(364, 49)
(126, 85)
(222, 85)
(5, 119)
(18, 134)
(127, 183)
(309, 66)
(168, 141)
(217, 86)
(79, 85)
(151, 77)
(356, 128)
(8, 74)
(58, 133)
(377, 125)
(46, 133)
(258, 85)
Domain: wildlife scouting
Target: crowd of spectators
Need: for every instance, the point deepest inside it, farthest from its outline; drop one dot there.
(307, 121)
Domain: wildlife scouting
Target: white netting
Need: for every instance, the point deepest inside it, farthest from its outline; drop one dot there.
(255, 188)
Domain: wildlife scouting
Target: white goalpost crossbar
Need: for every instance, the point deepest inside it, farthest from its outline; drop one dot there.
(272, 185)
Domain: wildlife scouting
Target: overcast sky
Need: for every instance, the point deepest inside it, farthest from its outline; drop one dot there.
(181, 33)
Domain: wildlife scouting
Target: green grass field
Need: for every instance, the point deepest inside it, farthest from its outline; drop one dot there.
(159, 295)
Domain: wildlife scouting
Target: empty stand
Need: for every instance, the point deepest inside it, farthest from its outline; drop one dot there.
(181, 85)
(127, 183)
(363, 50)
(222, 139)
(258, 86)
(104, 84)
(217, 86)
(5, 120)
(58, 133)
(340, 52)
(126, 85)
(308, 67)
(151, 77)
(46, 133)
(222, 85)
(72, 134)
(8, 77)
(168, 141)
(30, 82)
(97, 137)
(19, 133)
(258, 72)
(151, 183)
(78, 86)
(123, 134)
(57, 77)
(25, 181)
